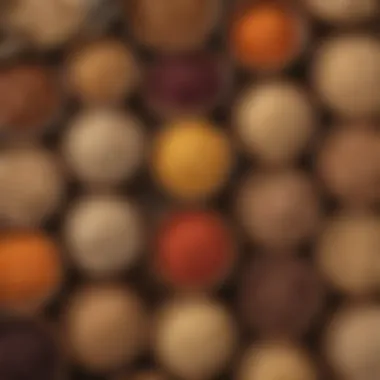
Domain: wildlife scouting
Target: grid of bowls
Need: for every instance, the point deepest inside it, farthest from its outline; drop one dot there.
(189, 190)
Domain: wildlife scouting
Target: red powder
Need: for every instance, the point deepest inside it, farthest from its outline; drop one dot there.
(194, 249)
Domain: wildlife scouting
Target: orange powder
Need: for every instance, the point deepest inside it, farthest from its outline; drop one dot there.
(30, 268)
(265, 37)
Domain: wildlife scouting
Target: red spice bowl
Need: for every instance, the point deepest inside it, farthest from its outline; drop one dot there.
(30, 99)
(194, 250)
